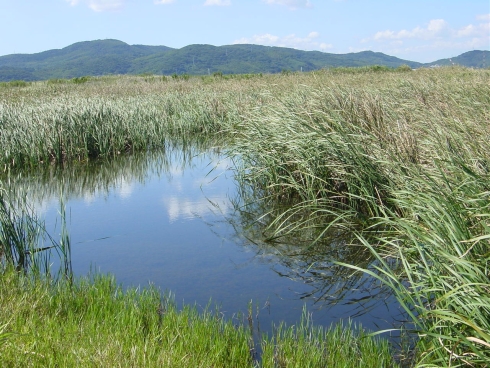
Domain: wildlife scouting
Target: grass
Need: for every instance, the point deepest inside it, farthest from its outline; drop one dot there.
(93, 322)
(338, 346)
(397, 157)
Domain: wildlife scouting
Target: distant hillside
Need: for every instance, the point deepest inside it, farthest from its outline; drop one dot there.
(83, 58)
(203, 59)
(104, 57)
(472, 59)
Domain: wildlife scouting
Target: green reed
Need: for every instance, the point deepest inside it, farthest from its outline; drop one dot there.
(20, 233)
(55, 123)
(308, 346)
(404, 156)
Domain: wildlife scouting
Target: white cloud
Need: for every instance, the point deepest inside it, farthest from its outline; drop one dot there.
(310, 42)
(436, 38)
(435, 28)
(292, 4)
(124, 188)
(483, 17)
(481, 31)
(325, 46)
(437, 25)
(99, 5)
(217, 3)
(163, 2)
(466, 31)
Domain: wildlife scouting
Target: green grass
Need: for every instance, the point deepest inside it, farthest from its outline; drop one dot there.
(338, 346)
(93, 322)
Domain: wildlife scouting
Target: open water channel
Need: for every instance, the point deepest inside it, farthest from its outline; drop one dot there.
(173, 218)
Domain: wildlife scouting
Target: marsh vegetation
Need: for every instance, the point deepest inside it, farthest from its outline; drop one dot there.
(397, 159)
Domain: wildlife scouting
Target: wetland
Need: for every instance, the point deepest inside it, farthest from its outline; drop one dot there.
(295, 200)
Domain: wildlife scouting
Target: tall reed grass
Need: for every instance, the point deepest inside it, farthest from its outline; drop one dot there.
(406, 158)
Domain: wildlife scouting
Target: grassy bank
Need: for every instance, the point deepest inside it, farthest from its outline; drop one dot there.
(92, 322)
(400, 158)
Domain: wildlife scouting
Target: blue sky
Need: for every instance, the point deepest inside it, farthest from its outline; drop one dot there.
(418, 30)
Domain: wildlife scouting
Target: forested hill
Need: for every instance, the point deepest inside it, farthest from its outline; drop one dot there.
(472, 59)
(104, 57)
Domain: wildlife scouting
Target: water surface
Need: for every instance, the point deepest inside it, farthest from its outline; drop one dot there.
(173, 218)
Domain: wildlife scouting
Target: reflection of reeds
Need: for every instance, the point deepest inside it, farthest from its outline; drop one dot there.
(306, 250)
(100, 176)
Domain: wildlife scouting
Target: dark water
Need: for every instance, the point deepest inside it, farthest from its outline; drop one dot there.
(170, 218)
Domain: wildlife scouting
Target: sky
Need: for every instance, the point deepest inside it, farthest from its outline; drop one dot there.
(416, 30)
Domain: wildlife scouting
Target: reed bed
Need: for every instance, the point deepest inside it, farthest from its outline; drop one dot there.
(401, 160)
(44, 123)
(339, 346)
(398, 157)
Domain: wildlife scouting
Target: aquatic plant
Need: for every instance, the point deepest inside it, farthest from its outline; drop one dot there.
(405, 158)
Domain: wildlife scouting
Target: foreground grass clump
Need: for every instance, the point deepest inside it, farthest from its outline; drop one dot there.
(339, 346)
(93, 322)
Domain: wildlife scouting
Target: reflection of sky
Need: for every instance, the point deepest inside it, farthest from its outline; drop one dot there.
(169, 227)
(196, 193)
(187, 208)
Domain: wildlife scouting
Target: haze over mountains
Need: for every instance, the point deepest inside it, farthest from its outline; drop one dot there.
(103, 57)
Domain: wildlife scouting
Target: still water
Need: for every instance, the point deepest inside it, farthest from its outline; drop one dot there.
(174, 219)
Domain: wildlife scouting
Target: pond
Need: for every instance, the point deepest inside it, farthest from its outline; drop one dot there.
(174, 218)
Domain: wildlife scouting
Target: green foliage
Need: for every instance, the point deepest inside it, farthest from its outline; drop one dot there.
(378, 68)
(403, 68)
(80, 80)
(105, 57)
(14, 83)
(57, 81)
(339, 346)
(92, 321)
(399, 159)
(402, 161)
(470, 59)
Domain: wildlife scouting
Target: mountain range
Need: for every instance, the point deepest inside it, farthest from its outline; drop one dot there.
(103, 57)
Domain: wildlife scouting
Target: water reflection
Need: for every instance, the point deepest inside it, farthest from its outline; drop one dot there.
(309, 254)
(117, 174)
(176, 218)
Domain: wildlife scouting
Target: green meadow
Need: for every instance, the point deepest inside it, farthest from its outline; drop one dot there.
(398, 158)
